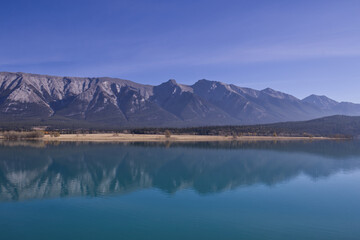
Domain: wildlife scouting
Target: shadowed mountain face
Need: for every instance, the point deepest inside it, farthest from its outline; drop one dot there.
(27, 172)
(108, 102)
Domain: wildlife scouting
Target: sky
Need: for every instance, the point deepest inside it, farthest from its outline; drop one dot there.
(298, 47)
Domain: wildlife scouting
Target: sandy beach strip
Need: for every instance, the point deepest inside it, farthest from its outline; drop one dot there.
(110, 137)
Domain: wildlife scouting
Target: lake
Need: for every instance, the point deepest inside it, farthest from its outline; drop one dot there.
(234, 190)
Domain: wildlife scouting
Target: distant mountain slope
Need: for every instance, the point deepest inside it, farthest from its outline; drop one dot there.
(322, 102)
(326, 126)
(115, 103)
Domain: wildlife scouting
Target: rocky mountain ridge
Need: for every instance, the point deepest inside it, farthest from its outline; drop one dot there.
(112, 102)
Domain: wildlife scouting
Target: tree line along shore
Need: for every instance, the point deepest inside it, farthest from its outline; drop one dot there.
(330, 127)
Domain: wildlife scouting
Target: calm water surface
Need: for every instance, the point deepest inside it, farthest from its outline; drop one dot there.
(297, 190)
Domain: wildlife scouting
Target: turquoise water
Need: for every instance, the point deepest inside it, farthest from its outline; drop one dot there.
(296, 190)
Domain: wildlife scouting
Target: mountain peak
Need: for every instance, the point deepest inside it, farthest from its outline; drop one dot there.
(172, 84)
(206, 81)
(321, 101)
(315, 98)
(277, 94)
(268, 90)
(172, 81)
(212, 83)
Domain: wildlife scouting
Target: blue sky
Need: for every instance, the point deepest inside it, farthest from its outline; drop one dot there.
(299, 47)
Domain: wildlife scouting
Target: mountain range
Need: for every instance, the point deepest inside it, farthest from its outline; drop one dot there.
(111, 102)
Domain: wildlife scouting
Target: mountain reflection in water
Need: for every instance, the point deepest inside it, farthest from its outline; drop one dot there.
(38, 170)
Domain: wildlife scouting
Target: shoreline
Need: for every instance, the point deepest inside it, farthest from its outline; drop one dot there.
(109, 137)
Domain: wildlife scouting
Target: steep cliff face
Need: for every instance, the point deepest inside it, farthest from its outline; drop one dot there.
(121, 103)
